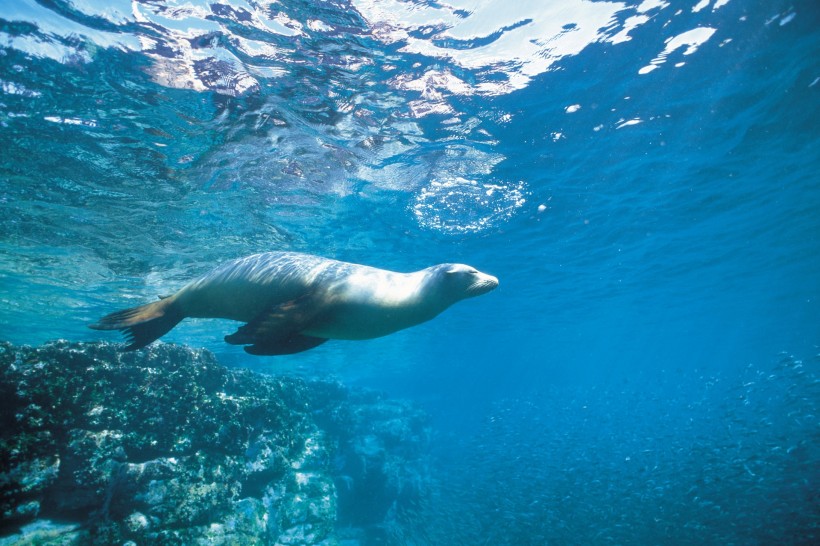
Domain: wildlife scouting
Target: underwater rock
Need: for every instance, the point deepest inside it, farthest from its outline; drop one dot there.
(167, 446)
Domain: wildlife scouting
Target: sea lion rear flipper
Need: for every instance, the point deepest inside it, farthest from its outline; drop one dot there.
(144, 324)
(276, 331)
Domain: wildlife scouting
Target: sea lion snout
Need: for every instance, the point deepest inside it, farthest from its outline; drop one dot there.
(482, 284)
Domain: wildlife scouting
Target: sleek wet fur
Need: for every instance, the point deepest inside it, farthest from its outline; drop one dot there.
(293, 302)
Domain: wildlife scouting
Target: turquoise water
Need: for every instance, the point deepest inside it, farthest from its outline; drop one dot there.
(642, 178)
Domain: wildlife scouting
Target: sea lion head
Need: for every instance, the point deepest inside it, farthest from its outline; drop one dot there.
(455, 282)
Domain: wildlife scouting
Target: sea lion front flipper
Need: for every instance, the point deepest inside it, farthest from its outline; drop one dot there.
(285, 346)
(276, 331)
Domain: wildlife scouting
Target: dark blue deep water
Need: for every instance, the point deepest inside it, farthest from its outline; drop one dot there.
(643, 178)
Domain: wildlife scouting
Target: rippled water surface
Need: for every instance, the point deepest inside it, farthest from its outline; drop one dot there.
(642, 178)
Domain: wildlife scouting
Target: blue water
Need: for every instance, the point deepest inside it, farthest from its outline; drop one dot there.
(642, 178)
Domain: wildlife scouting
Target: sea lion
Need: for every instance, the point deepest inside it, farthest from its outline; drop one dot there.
(293, 302)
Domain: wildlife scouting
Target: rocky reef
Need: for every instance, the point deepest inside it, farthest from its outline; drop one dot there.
(167, 446)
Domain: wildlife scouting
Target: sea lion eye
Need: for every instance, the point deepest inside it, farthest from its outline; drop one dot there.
(462, 270)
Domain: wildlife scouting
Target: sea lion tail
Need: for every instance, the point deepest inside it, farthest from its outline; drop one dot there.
(144, 324)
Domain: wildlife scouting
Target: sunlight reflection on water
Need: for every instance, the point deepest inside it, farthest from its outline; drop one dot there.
(359, 77)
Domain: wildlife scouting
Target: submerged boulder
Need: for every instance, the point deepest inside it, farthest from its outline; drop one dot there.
(167, 446)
